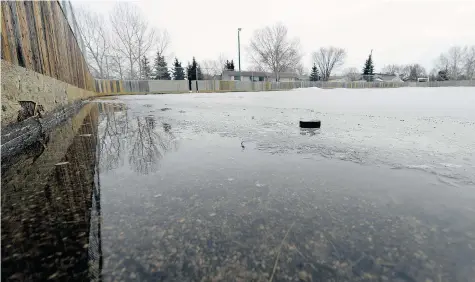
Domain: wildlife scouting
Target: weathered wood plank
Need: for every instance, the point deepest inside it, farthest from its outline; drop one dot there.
(60, 29)
(74, 61)
(6, 52)
(56, 37)
(40, 35)
(47, 38)
(33, 37)
(25, 34)
(54, 61)
(37, 35)
(11, 35)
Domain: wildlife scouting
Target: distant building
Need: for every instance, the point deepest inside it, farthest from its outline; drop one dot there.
(338, 78)
(260, 76)
(384, 77)
(377, 77)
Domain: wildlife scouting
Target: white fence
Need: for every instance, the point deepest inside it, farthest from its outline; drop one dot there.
(182, 86)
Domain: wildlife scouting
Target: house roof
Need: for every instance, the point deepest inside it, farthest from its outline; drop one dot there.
(260, 73)
(384, 76)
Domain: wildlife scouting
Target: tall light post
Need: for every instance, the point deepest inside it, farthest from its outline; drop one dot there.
(239, 52)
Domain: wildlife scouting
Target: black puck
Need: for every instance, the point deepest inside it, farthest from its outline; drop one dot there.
(310, 124)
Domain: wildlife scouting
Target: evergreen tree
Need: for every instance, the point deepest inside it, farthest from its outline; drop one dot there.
(146, 71)
(178, 72)
(314, 76)
(368, 70)
(442, 75)
(160, 68)
(232, 65)
(193, 70)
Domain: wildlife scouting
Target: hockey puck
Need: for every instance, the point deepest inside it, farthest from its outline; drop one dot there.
(310, 124)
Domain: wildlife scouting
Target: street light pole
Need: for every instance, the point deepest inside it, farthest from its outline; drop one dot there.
(239, 52)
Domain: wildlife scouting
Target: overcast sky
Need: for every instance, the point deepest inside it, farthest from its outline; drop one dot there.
(398, 31)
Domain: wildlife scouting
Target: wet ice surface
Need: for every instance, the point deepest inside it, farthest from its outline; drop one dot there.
(226, 187)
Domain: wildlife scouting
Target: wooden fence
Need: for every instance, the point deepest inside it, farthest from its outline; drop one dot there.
(36, 35)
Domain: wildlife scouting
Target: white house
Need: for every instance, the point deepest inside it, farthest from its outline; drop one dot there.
(259, 76)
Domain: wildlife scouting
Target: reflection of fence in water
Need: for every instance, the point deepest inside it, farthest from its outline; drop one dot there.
(95, 239)
(94, 248)
(46, 205)
(87, 146)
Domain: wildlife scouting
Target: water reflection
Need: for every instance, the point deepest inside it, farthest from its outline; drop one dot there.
(137, 137)
(51, 193)
(112, 127)
(309, 131)
(72, 211)
(51, 227)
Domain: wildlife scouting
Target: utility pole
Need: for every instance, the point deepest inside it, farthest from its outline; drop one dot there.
(239, 52)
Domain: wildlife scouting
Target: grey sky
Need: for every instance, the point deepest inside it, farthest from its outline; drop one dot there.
(398, 31)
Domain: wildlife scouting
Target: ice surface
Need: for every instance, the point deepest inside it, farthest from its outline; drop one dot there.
(411, 128)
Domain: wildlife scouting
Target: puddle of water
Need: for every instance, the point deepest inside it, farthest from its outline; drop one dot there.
(122, 194)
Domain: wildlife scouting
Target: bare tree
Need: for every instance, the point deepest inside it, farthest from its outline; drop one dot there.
(327, 59)
(145, 40)
(392, 69)
(132, 35)
(455, 56)
(413, 72)
(123, 20)
(299, 69)
(116, 65)
(96, 42)
(442, 63)
(211, 68)
(454, 62)
(469, 62)
(163, 42)
(270, 48)
(257, 67)
(222, 60)
(352, 74)
(433, 74)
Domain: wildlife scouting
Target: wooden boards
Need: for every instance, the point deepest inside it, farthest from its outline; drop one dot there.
(36, 35)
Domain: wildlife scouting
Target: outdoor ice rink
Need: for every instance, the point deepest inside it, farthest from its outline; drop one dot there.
(226, 187)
